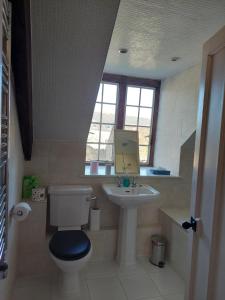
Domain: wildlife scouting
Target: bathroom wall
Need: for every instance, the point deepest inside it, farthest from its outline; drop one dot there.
(172, 218)
(57, 162)
(15, 184)
(177, 117)
(186, 167)
(177, 243)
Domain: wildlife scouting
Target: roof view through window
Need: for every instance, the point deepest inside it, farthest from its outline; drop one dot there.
(138, 116)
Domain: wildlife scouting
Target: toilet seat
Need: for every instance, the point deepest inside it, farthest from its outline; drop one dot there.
(70, 245)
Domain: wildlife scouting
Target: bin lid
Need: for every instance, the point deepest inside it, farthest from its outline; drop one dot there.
(158, 240)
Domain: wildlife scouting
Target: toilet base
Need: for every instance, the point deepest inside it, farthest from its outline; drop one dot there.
(69, 283)
(69, 276)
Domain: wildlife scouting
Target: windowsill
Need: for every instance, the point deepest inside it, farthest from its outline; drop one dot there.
(144, 172)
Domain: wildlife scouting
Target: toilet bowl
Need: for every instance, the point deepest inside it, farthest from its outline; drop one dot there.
(70, 250)
(69, 247)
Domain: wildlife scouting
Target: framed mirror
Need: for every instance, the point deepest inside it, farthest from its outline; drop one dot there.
(126, 152)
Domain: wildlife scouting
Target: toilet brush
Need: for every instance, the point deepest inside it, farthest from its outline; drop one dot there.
(95, 213)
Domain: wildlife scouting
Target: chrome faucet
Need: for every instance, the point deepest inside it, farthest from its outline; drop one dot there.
(118, 181)
(133, 182)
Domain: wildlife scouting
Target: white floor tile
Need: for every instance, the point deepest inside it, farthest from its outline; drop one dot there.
(174, 297)
(168, 282)
(105, 288)
(34, 288)
(139, 286)
(56, 295)
(100, 269)
(106, 280)
(33, 281)
(158, 298)
(149, 267)
(134, 269)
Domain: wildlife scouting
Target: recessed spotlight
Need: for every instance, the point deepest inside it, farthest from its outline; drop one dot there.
(175, 58)
(123, 50)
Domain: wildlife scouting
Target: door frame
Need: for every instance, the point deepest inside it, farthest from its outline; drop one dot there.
(211, 47)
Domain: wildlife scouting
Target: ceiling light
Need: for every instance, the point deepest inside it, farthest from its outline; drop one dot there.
(123, 50)
(175, 58)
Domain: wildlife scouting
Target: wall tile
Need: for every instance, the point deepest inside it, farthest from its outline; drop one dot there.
(57, 164)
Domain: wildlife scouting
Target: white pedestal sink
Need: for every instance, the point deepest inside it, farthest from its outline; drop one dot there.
(129, 199)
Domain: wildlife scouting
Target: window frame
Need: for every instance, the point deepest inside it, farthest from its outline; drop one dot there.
(100, 123)
(139, 107)
(123, 82)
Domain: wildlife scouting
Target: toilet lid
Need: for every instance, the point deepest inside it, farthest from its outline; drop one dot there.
(70, 244)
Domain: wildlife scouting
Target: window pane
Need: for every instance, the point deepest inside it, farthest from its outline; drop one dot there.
(145, 116)
(106, 152)
(97, 113)
(134, 128)
(133, 95)
(147, 97)
(110, 93)
(108, 113)
(143, 153)
(131, 115)
(144, 133)
(93, 135)
(99, 97)
(107, 133)
(92, 152)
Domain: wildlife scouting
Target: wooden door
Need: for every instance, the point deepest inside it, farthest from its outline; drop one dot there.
(207, 265)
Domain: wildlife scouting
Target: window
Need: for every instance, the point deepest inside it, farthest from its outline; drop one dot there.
(124, 102)
(138, 116)
(100, 138)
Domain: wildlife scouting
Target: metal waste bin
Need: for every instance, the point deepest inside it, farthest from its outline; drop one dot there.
(158, 244)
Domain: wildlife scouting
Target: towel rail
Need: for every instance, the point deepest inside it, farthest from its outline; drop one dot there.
(4, 112)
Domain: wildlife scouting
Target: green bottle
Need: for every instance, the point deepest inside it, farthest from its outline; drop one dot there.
(126, 182)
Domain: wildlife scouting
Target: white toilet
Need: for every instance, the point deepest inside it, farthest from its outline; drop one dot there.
(70, 247)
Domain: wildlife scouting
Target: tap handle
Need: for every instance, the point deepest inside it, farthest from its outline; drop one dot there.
(118, 181)
(133, 184)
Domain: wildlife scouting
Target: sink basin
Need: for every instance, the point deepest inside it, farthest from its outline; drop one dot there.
(129, 199)
(130, 196)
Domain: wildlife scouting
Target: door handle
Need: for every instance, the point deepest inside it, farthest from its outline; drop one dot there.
(91, 198)
(192, 224)
(3, 270)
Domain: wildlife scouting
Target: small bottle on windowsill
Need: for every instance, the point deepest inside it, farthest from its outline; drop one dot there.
(108, 169)
(94, 167)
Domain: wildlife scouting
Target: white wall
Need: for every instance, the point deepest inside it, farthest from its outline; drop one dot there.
(57, 162)
(177, 117)
(16, 164)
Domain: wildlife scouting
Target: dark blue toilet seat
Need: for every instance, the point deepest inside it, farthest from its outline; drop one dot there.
(70, 244)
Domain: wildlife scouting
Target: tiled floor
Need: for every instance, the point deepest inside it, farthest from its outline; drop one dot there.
(107, 281)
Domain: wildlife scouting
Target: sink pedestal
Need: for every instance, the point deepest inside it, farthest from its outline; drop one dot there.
(129, 199)
(126, 252)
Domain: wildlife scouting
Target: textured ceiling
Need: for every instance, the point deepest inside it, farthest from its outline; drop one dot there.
(156, 30)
